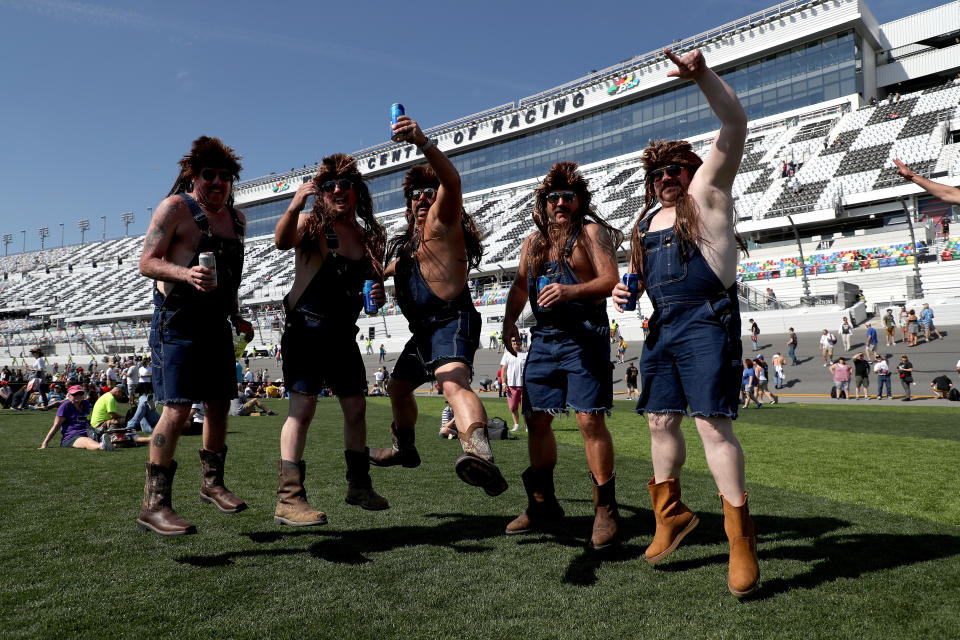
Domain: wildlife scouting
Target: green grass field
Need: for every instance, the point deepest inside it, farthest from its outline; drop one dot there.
(857, 511)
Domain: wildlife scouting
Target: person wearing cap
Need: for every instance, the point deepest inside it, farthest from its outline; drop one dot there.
(871, 346)
(882, 369)
(105, 415)
(73, 421)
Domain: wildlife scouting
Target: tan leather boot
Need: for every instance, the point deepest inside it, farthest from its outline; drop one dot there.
(359, 485)
(292, 506)
(402, 452)
(743, 574)
(542, 505)
(674, 519)
(156, 512)
(606, 519)
(212, 489)
(475, 466)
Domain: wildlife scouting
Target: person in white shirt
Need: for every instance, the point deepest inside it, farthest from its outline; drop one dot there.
(145, 377)
(827, 340)
(111, 376)
(511, 372)
(846, 332)
(882, 369)
(133, 377)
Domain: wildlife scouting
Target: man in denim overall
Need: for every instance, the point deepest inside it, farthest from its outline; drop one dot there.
(686, 255)
(568, 365)
(433, 257)
(191, 346)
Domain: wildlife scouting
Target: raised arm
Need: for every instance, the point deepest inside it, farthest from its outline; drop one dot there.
(448, 205)
(720, 167)
(290, 226)
(948, 194)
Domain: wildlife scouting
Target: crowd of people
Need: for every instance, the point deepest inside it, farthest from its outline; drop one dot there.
(692, 357)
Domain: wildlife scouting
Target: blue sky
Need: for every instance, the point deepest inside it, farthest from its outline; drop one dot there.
(100, 99)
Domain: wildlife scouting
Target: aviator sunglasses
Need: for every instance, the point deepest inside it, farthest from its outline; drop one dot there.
(554, 198)
(429, 192)
(672, 170)
(210, 174)
(330, 185)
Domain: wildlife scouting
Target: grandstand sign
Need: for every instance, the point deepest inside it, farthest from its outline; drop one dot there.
(281, 186)
(624, 83)
(487, 129)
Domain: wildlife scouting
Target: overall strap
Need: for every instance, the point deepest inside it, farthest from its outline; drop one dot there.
(198, 215)
(238, 226)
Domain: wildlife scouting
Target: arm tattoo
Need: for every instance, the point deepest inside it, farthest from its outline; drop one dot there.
(154, 236)
(605, 239)
(159, 440)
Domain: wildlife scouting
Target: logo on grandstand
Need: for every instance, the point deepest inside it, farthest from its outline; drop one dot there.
(281, 186)
(624, 83)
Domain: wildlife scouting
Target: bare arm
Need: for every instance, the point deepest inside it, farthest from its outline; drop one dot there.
(720, 167)
(948, 194)
(602, 254)
(157, 244)
(57, 423)
(516, 300)
(448, 205)
(290, 226)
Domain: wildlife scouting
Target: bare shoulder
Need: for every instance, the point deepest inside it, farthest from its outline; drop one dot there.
(171, 210)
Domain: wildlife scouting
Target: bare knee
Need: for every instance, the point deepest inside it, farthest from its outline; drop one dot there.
(715, 430)
(664, 423)
(539, 424)
(593, 426)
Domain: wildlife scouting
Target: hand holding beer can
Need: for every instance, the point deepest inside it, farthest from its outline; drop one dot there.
(207, 259)
(542, 282)
(369, 304)
(631, 281)
(396, 110)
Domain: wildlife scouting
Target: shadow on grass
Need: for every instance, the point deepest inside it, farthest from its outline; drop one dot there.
(459, 532)
(829, 557)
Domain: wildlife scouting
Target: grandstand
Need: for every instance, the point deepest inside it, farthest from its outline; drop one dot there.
(828, 91)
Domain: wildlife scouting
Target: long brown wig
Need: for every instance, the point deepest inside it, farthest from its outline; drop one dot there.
(686, 227)
(552, 238)
(423, 176)
(334, 167)
(206, 153)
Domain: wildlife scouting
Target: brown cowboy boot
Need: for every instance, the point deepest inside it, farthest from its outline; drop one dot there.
(359, 485)
(743, 574)
(156, 514)
(607, 517)
(403, 451)
(212, 489)
(475, 466)
(674, 519)
(542, 505)
(292, 506)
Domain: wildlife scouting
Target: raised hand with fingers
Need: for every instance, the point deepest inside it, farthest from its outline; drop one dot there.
(689, 66)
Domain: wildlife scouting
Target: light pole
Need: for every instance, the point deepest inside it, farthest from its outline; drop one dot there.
(803, 265)
(83, 225)
(43, 232)
(104, 236)
(916, 263)
(7, 239)
(127, 218)
(24, 232)
(61, 235)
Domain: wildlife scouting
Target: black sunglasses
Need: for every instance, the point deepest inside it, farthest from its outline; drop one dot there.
(430, 192)
(330, 185)
(210, 174)
(554, 198)
(672, 170)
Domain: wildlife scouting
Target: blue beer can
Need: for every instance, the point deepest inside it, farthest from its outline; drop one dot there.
(631, 281)
(396, 110)
(369, 304)
(543, 281)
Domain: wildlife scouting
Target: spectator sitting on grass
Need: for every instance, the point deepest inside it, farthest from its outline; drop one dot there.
(73, 422)
(243, 406)
(941, 386)
(105, 415)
